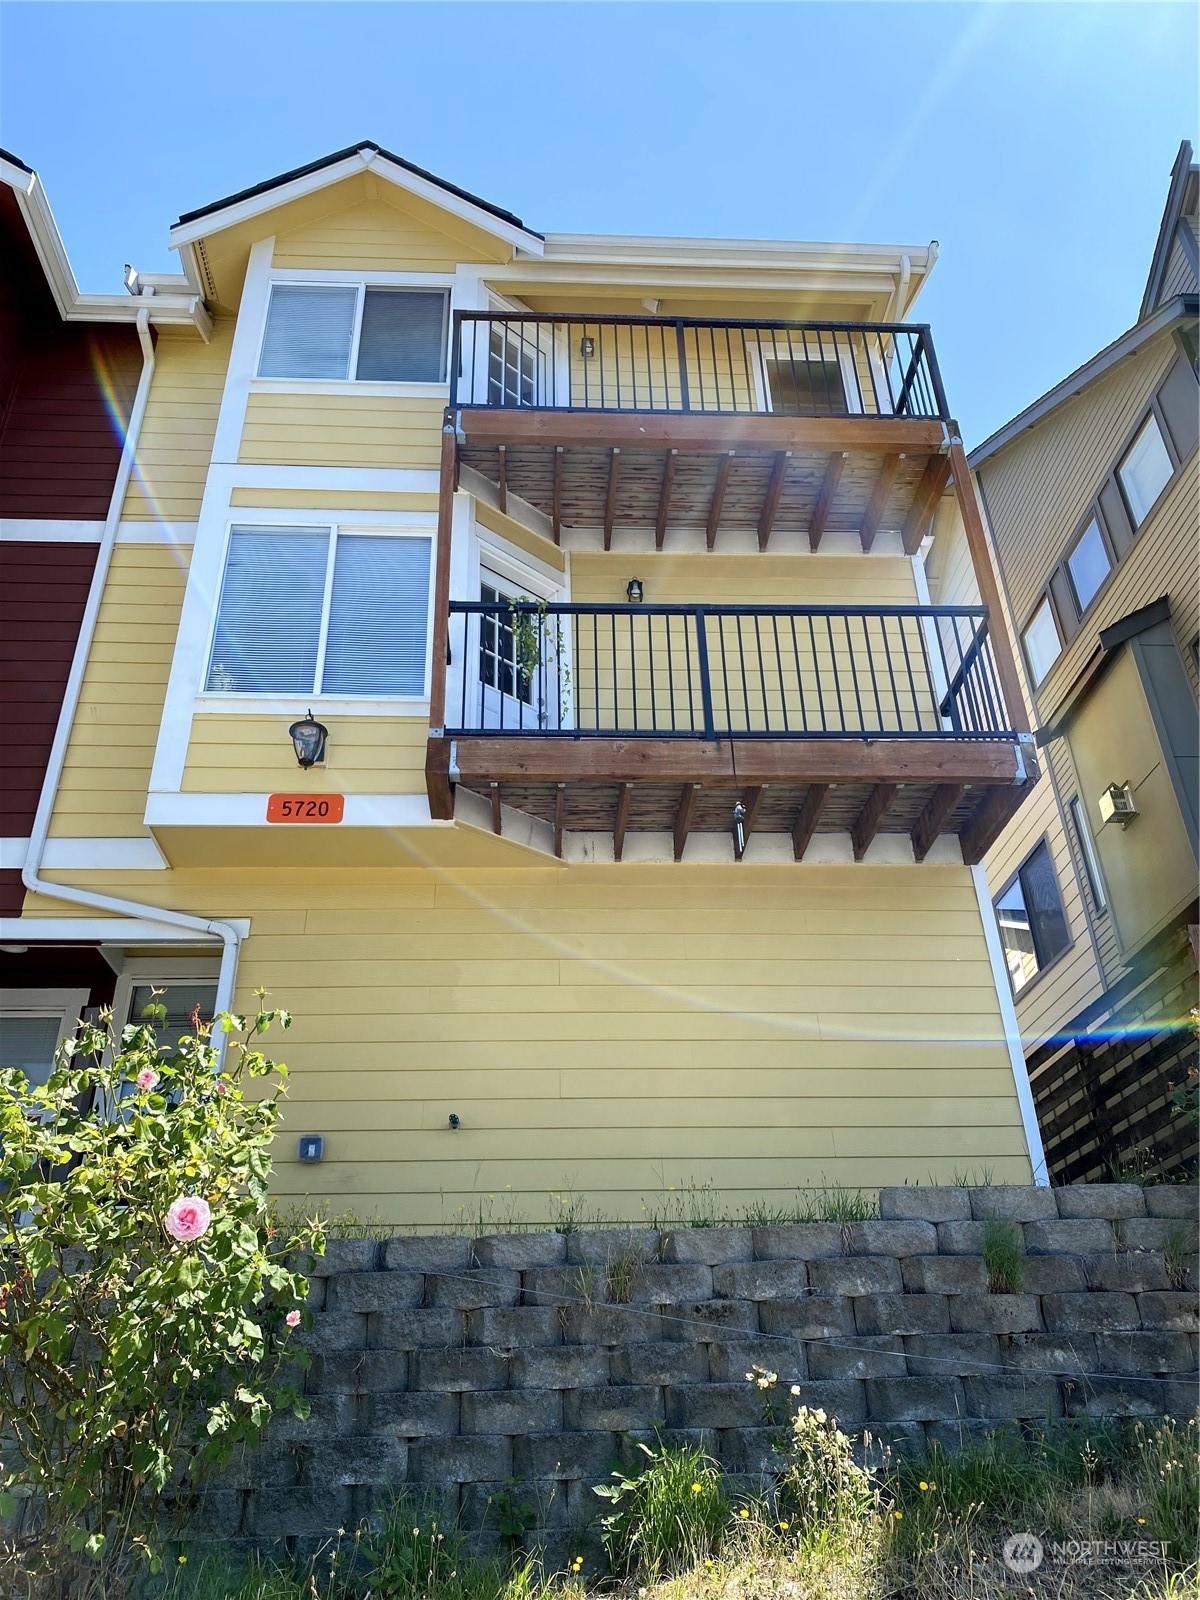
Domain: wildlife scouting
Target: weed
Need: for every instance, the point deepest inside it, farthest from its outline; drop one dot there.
(972, 1178)
(622, 1273)
(1179, 1252)
(1168, 1469)
(569, 1213)
(1004, 1257)
(513, 1517)
(669, 1516)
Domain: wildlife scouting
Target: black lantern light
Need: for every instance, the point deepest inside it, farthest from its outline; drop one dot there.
(739, 831)
(309, 736)
(634, 591)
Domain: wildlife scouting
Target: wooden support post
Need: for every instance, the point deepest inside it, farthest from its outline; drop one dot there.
(937, 812)
(752, 800)
(766, 520)
(557, 514)
(870, 817)
(925, 501)
(664, 498)
(610, 501)
(497, 822)
(683, 817)
(560, 797)
(441, 582)
(877, 504)
(810, 815)
(503, 484)
(622, 821)
(989, 590)
(437, 779)
(824, 505)
(718, 498)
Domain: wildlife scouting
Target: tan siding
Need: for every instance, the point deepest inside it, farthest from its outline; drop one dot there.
(342, 430)
(1179, 277)
(176, 440)
(616, 1033)
(349, 500)
(747, 580)
(107, 771)
(230, 753)
(378, 236)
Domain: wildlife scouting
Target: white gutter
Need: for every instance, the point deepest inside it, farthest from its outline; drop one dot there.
(229, 935)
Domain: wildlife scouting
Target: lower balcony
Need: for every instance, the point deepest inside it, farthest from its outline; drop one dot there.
(730, 720)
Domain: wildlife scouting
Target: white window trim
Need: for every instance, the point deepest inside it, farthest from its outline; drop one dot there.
(759, 357)
(160, 972)
(380, 526)
(361, 282)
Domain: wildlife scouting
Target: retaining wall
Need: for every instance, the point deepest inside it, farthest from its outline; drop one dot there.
(457, 1366)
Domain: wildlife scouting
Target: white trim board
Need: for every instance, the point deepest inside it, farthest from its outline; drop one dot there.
(85, 854)
(107, 930)
(46, 530)
(250, 811)
(166, 533)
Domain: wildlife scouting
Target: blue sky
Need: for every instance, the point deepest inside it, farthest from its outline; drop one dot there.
(1033, 141)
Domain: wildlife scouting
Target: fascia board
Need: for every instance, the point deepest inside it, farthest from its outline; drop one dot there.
(47, 242)
(258, 205)
(616, 249)
(714, 277)
(166, 311)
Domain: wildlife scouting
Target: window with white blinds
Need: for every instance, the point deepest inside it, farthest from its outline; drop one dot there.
(375, 335)
(311, 611)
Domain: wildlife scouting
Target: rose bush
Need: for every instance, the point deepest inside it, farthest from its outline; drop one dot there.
(145, 1301)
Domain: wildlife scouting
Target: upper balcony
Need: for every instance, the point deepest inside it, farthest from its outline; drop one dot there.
(650, 422)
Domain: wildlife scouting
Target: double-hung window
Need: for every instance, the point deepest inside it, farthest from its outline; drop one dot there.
(354, 332)
(322, 611)
(1033, 926)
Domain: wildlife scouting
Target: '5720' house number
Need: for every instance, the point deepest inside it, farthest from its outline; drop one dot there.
(305, 807)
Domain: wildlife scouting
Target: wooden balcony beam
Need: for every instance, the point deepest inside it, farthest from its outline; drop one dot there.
(622, 821)
(664, 498)
(766, 520)
(698, 433)
(938, 810)
(810, 815)
(718, 499)
(502, 482)
(497, 822)
(873, 515)
(556, 515)
(437, 779)
(870, 818)
(737, 764)
(925, 502)
(824, 505)
(752, 800)
(985, 827)
(560, 804)
(610, 499)
(683, 818)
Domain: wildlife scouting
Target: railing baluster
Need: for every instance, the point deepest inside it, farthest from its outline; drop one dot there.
(812, 636)
(705, 676)
(870, 654)
(670, 673)
(854, 672)
(681, 346)
(912, 686)
(837, 683)
(633, 670)
(787, 727)
(887, 656)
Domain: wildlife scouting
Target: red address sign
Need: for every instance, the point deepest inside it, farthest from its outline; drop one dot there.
(305, 807)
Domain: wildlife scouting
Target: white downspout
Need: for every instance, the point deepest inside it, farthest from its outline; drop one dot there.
(229, 936)
(900, 296)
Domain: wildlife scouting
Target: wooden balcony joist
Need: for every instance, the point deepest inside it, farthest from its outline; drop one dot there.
(762, 474)
(683, 787)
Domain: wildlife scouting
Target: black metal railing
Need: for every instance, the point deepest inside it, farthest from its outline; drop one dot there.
(686, 365)
(702, 671)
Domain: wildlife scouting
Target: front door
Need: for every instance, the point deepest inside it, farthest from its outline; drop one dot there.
(519, 667)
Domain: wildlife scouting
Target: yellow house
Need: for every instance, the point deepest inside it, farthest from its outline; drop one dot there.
(643, 849)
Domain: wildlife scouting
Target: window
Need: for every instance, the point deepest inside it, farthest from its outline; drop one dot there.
(1033, 929)
(336, 331)
(804, 388)
(311, 611)
(1041, 641)
(33, 1023)
(498, 665)
(512, 368)
(1145, 470)
(1087, 850)
(1088, 564)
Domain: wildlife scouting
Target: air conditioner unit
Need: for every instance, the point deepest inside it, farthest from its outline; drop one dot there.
(1117, 804)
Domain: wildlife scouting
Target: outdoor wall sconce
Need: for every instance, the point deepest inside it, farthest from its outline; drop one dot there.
(1117, 804)
(587, 346)
(309, 736)
(739, 831)
(311, 1147)
(634, 592)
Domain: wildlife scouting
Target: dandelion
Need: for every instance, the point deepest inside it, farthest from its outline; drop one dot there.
(1141, 1522)
(577, 1564)
(899, 1516)
(146, 1078)
(182, 1561)
(188, 1218)
(744, 1514)
(785, 1526)
(293, 1321)
(697, 1488)
(923, 1485)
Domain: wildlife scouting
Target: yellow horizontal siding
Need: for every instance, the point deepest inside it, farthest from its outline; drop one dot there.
(342, 430)
(382, 235)
(620, 1033)
(106, 774)
(176, 439)
(232, 753)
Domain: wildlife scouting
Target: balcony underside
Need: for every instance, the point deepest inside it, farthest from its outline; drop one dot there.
(923, 788)
(809, 476)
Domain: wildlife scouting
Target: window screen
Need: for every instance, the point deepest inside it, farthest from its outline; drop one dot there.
(309, 332)
(403, 336)
(269, 618)
(378, 617)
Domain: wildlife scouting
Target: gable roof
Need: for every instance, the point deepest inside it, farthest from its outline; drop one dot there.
(1181, 202)
(366, 155)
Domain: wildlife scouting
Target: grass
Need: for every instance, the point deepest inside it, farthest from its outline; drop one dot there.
(1179, 1253)
(1004, 1257)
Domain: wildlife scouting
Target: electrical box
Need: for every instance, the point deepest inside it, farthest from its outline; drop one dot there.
(1117, 804)
(311, 1147)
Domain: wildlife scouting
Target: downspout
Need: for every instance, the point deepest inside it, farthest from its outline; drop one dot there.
(900, 294)
(229, 935)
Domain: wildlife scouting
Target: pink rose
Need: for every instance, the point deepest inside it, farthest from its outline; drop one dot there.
(292, 1319)
(188, 1218)
(146, 1078)
(222, 1089)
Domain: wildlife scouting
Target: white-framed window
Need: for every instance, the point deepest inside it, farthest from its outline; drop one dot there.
(328, 610)
(33, 1023)
(1145, 470)
(1089, 563)
(813, 376)
(362, 333)
(1029, 912)
(1042, 642)
(1087, 849)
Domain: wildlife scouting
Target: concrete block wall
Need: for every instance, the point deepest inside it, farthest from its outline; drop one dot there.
(458, 1367)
